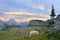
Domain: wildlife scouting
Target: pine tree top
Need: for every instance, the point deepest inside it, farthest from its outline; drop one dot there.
(53, 11)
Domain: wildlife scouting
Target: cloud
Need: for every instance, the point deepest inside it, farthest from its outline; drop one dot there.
(48, 10)
(40, 7)
(20, 13)
(26, 16)
(24, 13)
(24, 10)
(22, 20)
(4, 19)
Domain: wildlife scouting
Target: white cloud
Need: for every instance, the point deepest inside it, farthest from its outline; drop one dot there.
(4, 19)
(26, 16)
(40, 7)
(28, 19)
(49, 10)
(20, 13)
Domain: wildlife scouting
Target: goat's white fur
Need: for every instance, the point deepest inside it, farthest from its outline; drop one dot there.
(33, 32)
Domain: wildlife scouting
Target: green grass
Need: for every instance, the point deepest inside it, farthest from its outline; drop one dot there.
(20, 34)
(41, 36)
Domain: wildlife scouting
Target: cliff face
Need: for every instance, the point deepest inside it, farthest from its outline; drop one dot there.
(44, 23)
(56, 26)
(37, 23)
(57, 20)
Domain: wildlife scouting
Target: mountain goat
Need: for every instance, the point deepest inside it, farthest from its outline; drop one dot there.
(33, 32)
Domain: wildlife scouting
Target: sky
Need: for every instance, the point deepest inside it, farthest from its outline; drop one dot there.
(25, 10)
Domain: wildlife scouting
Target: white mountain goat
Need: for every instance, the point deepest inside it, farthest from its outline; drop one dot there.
(33, 32)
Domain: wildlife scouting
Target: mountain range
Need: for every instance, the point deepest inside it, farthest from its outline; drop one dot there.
(13, 23)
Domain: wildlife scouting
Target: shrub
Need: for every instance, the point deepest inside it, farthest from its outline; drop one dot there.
(50, 23)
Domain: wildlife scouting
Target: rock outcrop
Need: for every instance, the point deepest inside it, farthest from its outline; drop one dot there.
(37, 23)
(2, 24)
(55, 27)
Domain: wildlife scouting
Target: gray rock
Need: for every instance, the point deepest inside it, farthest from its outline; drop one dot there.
(37, 23)
(56, 26)
(2, 24)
